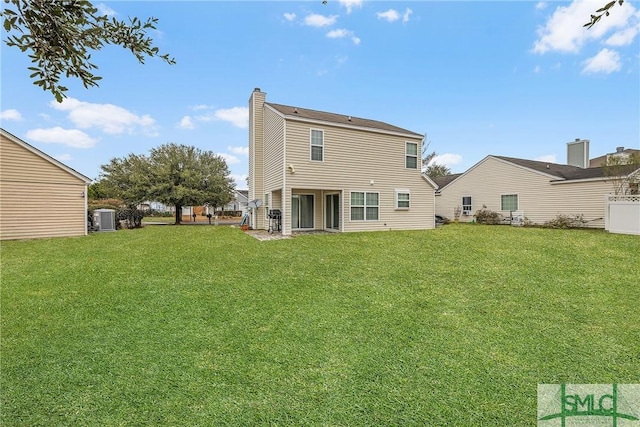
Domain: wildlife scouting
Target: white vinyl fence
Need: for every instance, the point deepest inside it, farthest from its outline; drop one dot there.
(622, 214)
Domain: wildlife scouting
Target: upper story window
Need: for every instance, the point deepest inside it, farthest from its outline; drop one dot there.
(411, 155)
(317, 145)
(509, 202)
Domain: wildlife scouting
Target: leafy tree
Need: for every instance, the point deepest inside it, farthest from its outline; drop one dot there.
(59, 36)
(623, 172)
(186, 176)
(604, 10)
(429, 167)
(97, 191)
(434, 170)
(127, 178)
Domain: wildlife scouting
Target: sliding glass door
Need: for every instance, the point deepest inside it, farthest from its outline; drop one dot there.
(301, 211)
(332, 211)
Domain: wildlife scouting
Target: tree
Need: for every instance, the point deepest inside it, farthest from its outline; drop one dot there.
(185, 176)
(127, 178)
(59, 36)
(623, 171)
(429, 167)
(604, 10)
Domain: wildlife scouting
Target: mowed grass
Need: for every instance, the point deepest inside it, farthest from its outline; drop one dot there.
(172, 325)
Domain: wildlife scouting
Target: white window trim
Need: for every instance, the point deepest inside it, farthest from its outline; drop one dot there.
(396, 192)
(517, 202)
(311, 144)
(406, 154)
(363, 206)
(467, 211)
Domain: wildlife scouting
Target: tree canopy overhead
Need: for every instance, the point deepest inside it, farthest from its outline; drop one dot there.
(59, 36)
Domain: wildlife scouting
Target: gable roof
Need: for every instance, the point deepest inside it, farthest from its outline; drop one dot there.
(242, 195)
(443, 181)
(560, 171)
(44, 156)
(298, 113)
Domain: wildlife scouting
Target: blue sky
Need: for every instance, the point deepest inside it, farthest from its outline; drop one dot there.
(511, 78)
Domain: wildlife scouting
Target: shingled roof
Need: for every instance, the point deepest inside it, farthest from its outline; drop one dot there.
(563, 172)
(442, 181)
(342, 119)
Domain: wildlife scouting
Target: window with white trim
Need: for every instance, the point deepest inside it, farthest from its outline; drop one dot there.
(317, 145)
(509, 202)
(402, 199)
(411, 155)
(364, 206)
(466, 205)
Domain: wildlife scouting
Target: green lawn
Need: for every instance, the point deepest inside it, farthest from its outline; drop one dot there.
(207, 326)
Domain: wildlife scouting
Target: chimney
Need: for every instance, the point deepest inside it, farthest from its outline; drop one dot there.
(578, 153)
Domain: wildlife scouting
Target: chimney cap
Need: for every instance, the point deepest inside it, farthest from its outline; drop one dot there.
(619, 149)
(577, 139)
(256, 89)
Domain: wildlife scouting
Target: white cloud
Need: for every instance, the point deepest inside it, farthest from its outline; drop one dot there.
(341, 33)
(69, 137)
(351, 4)
(109, 118)
(11, 114)
(549, 158)
(624, 37)
(230, 159)
(238, 116)
(448, 159)
(390, 15)
(244, 150)
(536, 69)
(564, 31)
(289, 16)
(186, 123)
(407, 14)
(199, 107)
(316, 20)
(63, 157)
(103, 9)
(241, 181)
(541, 5)
(606, 61)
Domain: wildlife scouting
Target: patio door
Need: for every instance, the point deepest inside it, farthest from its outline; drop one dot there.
(332, 211)
(301, 211)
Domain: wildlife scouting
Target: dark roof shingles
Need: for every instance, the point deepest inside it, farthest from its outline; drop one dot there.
(338, 119)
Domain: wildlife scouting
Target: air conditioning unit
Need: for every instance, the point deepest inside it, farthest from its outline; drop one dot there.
(517, 218)
(104, 219)
(466, 213)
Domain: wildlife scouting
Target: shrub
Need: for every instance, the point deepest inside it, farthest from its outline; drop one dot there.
(133, 217)
(487, 216)
(566, 221)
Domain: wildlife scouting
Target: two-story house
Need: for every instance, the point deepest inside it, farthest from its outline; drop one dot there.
(327, 171)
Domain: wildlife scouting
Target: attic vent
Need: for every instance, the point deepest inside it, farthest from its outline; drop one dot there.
(349, 118)
(295, 110)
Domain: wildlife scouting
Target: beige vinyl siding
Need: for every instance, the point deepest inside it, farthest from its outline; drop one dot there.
(352, 159)
(37, 197)
(256, 155)
(538, 198)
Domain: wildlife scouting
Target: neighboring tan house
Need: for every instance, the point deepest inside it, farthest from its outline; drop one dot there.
(621, 153)
(326, 171)
(540, 190)
(39, 196)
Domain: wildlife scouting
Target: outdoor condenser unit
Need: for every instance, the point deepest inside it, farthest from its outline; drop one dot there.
(104, 219)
